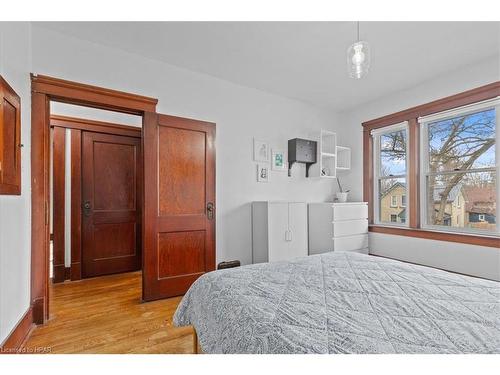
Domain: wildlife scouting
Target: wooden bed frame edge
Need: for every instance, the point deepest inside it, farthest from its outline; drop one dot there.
(196, 346)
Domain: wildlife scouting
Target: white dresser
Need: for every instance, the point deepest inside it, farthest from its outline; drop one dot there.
(338, 227)
(279, 230)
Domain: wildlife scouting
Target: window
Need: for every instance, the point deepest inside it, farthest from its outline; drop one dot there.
(394, 201)
(390, 156)
(443, 158)
(459, 166)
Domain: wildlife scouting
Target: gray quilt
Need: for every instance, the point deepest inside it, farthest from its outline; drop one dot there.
(342, 303)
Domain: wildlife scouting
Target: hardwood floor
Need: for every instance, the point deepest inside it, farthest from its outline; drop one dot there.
(106, 315)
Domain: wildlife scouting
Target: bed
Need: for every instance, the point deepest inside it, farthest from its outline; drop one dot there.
(342, 302)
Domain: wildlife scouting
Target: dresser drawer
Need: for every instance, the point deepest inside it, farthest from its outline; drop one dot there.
(349, 243)
(350, 212)
(350, 227)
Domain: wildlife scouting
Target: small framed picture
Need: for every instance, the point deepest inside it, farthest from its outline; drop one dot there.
(260, 150)
(262, 173)
(278, 162)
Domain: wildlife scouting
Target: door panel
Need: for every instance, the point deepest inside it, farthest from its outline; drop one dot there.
(182, 157)
(298, 227)
(111, 196)
(179, 231)
(278, 228)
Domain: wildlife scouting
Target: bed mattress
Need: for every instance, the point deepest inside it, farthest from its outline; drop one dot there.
(342, 302)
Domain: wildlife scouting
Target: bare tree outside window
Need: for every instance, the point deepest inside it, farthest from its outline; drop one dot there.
(461, 167)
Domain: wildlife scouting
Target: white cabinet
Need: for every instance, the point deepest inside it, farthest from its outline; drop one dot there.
(279, 231)
(338, 227)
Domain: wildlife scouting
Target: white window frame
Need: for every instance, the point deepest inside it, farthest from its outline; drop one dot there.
(403, 204)
(376, 134)
(424, 163)
(394, 200)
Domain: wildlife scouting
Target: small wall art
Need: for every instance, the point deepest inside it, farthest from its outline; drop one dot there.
(260, 150)
(278, 162)
(262, 172)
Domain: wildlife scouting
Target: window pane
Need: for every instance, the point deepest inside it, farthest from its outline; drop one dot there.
(391, 209)
(393, 153)
(462, 200)
(462, 142)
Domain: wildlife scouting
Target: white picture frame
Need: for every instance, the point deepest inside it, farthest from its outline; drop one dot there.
(262, 172)
(278, 160)
(260, 150)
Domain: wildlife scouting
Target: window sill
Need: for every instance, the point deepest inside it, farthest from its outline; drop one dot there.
(471, 239)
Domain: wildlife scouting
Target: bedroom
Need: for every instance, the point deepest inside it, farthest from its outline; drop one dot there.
(248, 133)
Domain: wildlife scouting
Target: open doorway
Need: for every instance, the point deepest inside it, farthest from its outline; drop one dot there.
(177, 211)
(96, 193)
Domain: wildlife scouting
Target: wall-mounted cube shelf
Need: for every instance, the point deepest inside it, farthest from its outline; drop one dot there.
(343, 158)
(327, 157)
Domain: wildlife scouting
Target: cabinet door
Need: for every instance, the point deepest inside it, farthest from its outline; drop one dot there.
(278, 227)
(297, 219)
(10, 140)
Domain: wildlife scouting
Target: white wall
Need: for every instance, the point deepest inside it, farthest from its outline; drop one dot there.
(240, 114)
(15, 211)
(474, 260)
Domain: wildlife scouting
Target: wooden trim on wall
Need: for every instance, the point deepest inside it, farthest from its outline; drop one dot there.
(40, 163)
(439, 236)
(59, 208)
(368, 172)
(478, 94)
(76, 204)
(43, 90)
(18, 336)
(95, 126)
(91, 96)
(413, 200)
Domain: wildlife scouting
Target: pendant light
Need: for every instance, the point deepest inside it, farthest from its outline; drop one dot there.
(358, 58)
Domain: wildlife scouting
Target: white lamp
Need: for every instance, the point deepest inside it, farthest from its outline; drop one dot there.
(358, 58)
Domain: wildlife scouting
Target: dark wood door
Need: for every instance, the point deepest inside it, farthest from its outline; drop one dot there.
(111, 204)
(179, 204)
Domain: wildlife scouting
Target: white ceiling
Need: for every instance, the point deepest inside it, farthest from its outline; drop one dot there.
(303, 60)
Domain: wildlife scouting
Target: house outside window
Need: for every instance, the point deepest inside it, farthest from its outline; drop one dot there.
(390, 173)
(403, 200)
(394, 200)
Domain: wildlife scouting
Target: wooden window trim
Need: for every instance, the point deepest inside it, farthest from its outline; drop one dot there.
(8, 94)
(411, 115)
(471, 239)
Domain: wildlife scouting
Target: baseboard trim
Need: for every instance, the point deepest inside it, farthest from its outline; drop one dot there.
(17, 338)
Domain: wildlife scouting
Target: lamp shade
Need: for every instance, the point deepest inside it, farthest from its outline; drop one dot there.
(358, 59)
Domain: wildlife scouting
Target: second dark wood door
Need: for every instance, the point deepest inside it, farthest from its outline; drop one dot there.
(179, 204)
(111, 199)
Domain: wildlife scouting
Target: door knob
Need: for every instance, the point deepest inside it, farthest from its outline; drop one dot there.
(86, 208)
(210, 210)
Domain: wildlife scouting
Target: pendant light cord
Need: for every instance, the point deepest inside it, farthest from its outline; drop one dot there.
(358, 30)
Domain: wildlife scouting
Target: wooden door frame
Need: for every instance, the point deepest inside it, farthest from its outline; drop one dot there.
(43, 90)
(77, 125)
